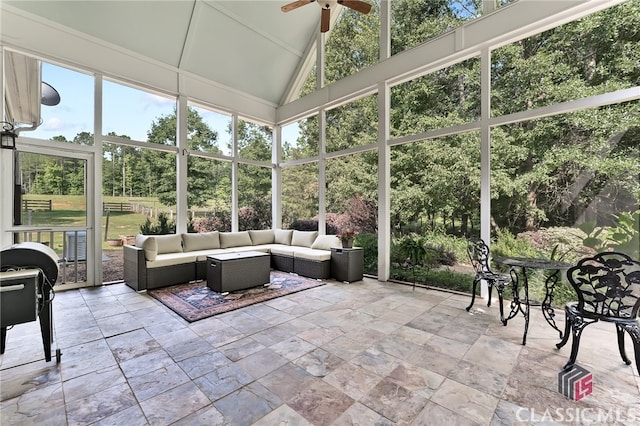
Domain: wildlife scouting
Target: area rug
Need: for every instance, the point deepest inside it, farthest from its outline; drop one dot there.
(195, 301)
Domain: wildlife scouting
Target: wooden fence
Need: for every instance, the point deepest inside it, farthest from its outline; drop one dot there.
(117, 207)
(36, 205)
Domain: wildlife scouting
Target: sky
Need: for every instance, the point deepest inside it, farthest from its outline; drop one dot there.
(126, 111)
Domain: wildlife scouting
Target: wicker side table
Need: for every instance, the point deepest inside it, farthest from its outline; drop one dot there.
(347, 264)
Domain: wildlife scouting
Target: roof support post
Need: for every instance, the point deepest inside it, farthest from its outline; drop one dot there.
(182, 164)
(485, 154)
(384, 183)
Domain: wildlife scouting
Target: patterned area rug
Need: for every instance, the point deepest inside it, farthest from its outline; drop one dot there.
(195, 301)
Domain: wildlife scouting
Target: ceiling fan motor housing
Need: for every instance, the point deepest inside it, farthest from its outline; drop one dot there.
(327, 4)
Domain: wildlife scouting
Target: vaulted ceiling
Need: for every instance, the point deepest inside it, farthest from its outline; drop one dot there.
(228, 42)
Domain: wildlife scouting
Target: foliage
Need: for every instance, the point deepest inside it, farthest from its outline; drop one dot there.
(369, 243)
(415, 252)
(346, 235)
(305, 225)
(624, 237)
(217, 221)
(441, 278)
(509, 245)
(162, 227)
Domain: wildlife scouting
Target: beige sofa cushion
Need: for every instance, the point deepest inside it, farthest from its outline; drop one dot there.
(234, 239)
(282, 236)
(311, 254)
(265, 236)
(202, 241)
(282, 250)
(149, 245)
(303, 238)
(326, 242)
(169, 243)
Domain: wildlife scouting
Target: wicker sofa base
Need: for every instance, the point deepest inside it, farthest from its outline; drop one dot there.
(312, 269)
(281, 262)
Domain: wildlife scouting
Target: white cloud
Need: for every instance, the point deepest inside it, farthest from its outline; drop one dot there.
(54, 123)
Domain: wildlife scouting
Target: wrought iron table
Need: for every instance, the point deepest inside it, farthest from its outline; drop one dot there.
(523, 306)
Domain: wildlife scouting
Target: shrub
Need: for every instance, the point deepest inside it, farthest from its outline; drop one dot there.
(305, 225)
(369, 243)
(312, 225)
(215, 222)
(162, 227)
(624, 237)
(442, 256)
(508, 245)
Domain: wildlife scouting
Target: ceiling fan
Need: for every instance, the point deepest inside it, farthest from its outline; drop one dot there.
(327, 5)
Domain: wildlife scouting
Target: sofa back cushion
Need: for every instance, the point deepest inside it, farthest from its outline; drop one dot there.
(326, 242)
(149, 245)
(201, 241)
(262, 237)
(303, 238)
(234, 239)
(282, 236)
(169, 243)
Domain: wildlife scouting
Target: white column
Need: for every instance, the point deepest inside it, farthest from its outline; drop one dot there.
(6, 174)
(322, 172)
(182, 164)
(276, 179)
(384, 183)
(485, 154)
(234, 173)
(94, 195)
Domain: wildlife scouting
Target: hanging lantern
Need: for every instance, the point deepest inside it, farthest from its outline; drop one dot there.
(8, 136)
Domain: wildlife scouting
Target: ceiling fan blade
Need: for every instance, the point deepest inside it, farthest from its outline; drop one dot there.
(324, 22)
(357, 5)
(296, 4)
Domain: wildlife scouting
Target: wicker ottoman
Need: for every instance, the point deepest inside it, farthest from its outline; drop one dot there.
(237, 271)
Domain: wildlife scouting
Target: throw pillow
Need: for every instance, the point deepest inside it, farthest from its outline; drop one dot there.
(202, 241)
(234, 239)
(282, 236)
(265, 236)
(303, 238)
(326, 242)
(169, 243)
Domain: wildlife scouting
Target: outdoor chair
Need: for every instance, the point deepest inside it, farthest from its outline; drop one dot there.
(608, 289)
(478, 253)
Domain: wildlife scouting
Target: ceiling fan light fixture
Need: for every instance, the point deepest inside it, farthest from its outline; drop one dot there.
(327, 4)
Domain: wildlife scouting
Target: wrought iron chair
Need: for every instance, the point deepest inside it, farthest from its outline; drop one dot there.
(478, 253)
(608, 288)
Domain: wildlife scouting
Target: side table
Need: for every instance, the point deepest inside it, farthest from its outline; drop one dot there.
(347, 264)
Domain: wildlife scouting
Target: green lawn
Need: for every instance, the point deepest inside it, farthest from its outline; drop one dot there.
(70, 210)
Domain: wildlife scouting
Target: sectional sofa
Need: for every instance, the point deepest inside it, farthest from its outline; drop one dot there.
(162, 260)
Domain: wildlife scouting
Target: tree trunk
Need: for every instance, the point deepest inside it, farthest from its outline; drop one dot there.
(532, 198)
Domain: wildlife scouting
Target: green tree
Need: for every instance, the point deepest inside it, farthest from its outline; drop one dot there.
(160, 167)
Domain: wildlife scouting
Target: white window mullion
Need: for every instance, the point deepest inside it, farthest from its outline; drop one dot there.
(276, 178)
(485, 154)
(384, 183)
(182, 164)
(234, 172)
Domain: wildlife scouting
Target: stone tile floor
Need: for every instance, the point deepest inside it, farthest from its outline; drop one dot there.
(366, 353)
